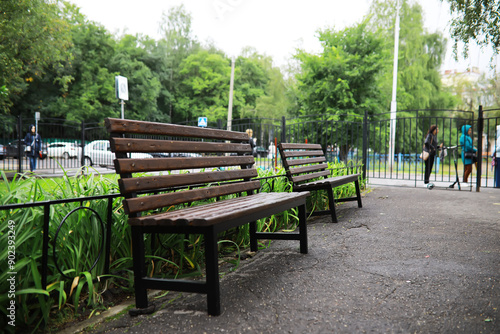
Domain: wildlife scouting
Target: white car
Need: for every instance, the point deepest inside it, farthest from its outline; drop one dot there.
(99, 153)
(63, 150)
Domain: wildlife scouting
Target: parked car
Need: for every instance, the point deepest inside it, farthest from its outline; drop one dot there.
(175, 155)
(160, 155)
(3, 152)
(63, 150)
(99, 153)
(11, 150)
(186, 155)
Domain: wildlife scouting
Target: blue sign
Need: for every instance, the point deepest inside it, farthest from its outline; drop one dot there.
(202, 122)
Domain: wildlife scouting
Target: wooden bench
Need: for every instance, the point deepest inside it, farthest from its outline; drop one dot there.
(220, 167)
(307, 169)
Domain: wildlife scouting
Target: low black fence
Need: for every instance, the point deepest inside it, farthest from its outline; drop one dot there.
(50, 234)
(361, 138)
(104, 224)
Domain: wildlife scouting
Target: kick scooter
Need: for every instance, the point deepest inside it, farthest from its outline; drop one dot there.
(454, 149)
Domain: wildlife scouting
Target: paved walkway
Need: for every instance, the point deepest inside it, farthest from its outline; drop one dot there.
(411, 260)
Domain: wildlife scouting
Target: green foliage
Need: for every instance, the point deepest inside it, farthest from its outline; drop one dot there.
(129, 61)
(476, 20)
(176, 78)
(33, 40)
(76, 245)
(90, 95)
(343, 76)
(420, 57)
(205, 86)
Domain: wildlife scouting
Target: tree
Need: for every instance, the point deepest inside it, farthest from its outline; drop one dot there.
(204, 89)
(175, 46)
(131, 52)
(34, 38)
(420, 56)
(477, 20)
(261, 84)
(90, 96)
(469, 88)
(344, 76)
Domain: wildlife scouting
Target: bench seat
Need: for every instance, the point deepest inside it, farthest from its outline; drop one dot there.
(228, 212)
(331, 181)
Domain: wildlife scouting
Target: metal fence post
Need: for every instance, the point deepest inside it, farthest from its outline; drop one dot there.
(365, 143)
(20, 152)
(480, 122)
(45, 246)
(283, 129)
(108, 235)
(82, 157)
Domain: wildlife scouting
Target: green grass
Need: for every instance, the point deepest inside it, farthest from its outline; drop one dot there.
(76, 291)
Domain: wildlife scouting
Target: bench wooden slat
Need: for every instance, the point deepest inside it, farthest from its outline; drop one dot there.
(300, 146)
(217, 212)
(115, 125)
(161, 164)
(151, 202)
(307, 169)
(311, 176)
(333, 181)
(295, 162)
(126, 145)
(131, 185)
(298, 154)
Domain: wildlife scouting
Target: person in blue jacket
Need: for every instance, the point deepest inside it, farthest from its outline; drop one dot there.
(467, 149)
(33, 143)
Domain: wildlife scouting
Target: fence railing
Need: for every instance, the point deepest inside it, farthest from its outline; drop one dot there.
(50, 233)
(360, 138)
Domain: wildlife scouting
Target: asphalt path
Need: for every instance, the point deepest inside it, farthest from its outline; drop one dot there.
(411, 260)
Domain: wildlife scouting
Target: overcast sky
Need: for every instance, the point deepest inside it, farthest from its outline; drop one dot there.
(273, 27)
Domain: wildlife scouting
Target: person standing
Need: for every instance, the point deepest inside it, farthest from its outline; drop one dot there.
(468, 152)
(252, 141)
(430, 146)
(496, 160)
(33, 143)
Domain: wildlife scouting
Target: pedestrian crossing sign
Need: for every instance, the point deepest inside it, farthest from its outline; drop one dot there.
(202, 122)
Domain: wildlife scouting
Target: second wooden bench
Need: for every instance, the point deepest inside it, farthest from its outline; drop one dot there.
(306, 167)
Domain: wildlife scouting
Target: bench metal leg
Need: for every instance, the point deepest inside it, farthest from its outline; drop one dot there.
(358, 194)
(303, 229)
(141, 297)
(331, 203)
(212, 271)
(253, 237)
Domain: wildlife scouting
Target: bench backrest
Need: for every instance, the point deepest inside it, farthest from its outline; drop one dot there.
(303, 162)
(219, 159)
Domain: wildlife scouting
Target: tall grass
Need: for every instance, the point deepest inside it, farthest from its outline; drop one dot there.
(72, 286)
(76, 247)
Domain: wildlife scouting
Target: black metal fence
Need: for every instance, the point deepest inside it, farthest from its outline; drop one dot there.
(358, 138)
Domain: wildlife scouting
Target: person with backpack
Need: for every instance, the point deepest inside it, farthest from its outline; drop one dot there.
(33, 143)
(468, 152)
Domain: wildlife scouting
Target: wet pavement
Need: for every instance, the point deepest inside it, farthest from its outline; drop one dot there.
(411, 260)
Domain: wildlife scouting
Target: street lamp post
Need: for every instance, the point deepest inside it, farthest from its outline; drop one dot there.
(394, 91)
(230, 106)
